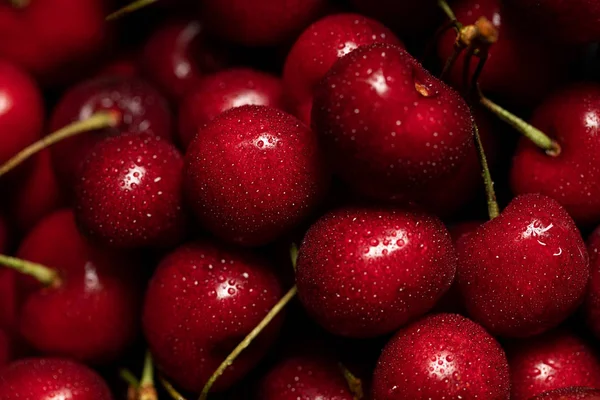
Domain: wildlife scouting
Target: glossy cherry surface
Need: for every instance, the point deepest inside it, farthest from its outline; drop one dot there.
(592, 300)
(572, 117)
(5, 353)
(525, 271)
(573, 393)
(203, 299)
(442, 356)
(365, 272)
(409, 17)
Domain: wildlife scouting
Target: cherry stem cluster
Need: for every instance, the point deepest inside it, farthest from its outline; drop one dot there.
(143, 389)
(45, 275)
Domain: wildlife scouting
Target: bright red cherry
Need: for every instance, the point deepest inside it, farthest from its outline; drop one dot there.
(321, 45)
(51, 378)
(442, 356)
(222, 91)
(525, 271)
(389, 127)
(203, 299)
(254, 173)
(571, 116)
(130, 192)
(366, 272)
(572, 393)
(592, 301)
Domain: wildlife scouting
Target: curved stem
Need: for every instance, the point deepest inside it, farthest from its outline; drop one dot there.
(493, 210)
(447, 10)
(175, 395)
(46, 276)
(147, 390)
(354, 383)
(131, 7)
(129, 378)
(294, 255)
(467, 69)
(99, 120)
(451, 61)
(247, 341)
(475, 78)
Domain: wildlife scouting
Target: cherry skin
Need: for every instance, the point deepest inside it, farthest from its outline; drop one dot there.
(4, 348)
(571, 116)
(51, 378)
(203, 299)
(592, 300)
(388, 126)
(253, 174)
(346, 253)
(91, 314)
(222, 91)
(525, 271)
(319, 46)
(442, 356)
(141, 107)
(572, 393)
(555, 360)
(305, 376)
(21, 110)
(130, 193)
(125, 65)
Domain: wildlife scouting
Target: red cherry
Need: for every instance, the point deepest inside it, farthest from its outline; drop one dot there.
(4, 348)
(347, 253)
(390, 128)
(3, 235)
(47, 378)
(571, 116)
(130, 192)
(124, 65)
(203, 300)
(90, 313)
(8, 299)
(21, 109)
(222, 91)
(53, 39)
(525, 271)
(573, 393)
(141, 109)
(556, 360)
(254, 173)
(592, 301)
(443, 356)
(319, 46)
(410, 17)
(306, 376)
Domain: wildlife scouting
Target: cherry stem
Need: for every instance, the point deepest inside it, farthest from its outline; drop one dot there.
(448, 11)
(19, 3)
(103, 119)
(451, 60)
(46, 276)
(171, 391)
(466, 69)
(147, 391)
(354, 383)
(129, 378)
(248, 340)
(131, 7)
(493, 209)
(294, 255)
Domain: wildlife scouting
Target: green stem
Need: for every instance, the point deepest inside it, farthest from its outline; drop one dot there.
(447, 10)
(147, 390)
(451, 61)
(47, 276)
(171, 391)
(129, 378)
(354, 383)
(131, 7)
(493, 210)
(294, 255)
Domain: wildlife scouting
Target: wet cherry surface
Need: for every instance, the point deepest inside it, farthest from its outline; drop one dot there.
(592, 301)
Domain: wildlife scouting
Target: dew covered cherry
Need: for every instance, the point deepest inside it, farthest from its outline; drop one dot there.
(222, 91)
(389, 127)
(571, 116)
(525, 271)
(51, 378)
(203, 299)
(319, 46)
(592, 300)
(254, 173)
(130, 192)
(442, 356)
(572, 393)
(365, 272)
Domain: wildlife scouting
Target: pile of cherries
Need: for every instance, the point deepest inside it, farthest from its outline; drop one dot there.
(283, 200)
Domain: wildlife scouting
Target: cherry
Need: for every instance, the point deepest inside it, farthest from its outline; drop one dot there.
(51, 378)
(84, 304)
(410, 17)
(139, 106)
(21, 109)
(260, 22)
(319, 46)
(592, 301)
(555, 360)
(203, 299)
(389, 127)
(254, 173)
(346, 253)
(52, 39)
(125, 65)
(571, 116)
(442, 356)
(3, 234)
(223, 90)
(4, 348)
(572, 393)
(525, 271)
(130, 192)
(521, 66)
(305, 376)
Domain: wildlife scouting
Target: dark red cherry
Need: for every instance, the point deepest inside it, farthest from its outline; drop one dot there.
(253, 174)
(592, 300)
(525, 271)
(442, 356)
(389, 127)
(130, 192)
(140, 106)
(223, 90)
(90, 312)
(203, 300)
(571, 116)
(409, 17)
(5, 350)
(125, 65)
(319, 46)
(3, 234)
(366, 272)
(51, 378)
(572, 393)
